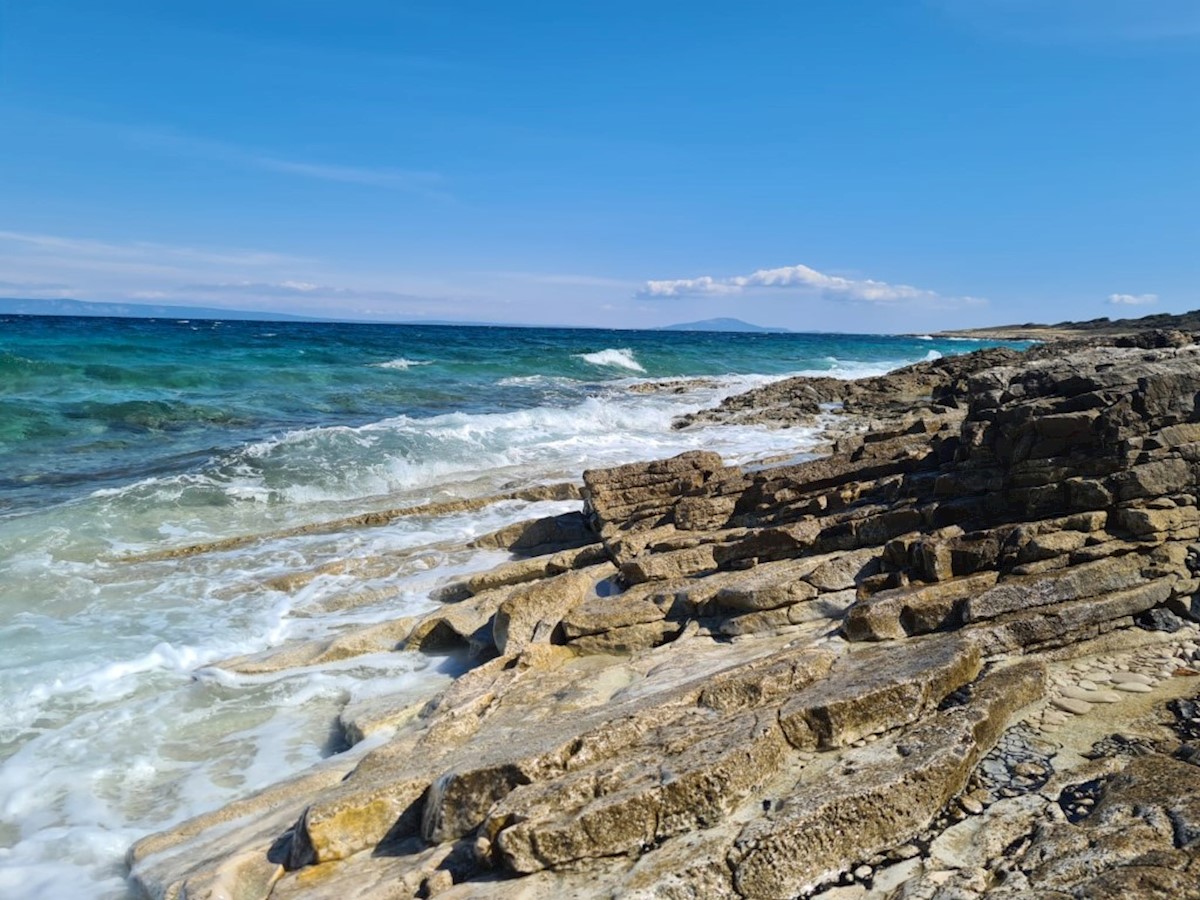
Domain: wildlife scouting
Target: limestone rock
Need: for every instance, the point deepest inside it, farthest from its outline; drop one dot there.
(533, 611)
(824, 827)
(876, 692)
(918, 609)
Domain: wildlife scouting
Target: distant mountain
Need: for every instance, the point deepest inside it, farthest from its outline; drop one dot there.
(723, 325)
(13, 306)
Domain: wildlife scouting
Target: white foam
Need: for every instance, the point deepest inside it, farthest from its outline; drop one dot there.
(931, 356)
(401, 363)
(539, 381)
(924, 337)
(850, 369)
(617, 358)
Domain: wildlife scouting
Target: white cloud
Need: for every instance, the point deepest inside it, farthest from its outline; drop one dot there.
(806, 279)
(1133, 299)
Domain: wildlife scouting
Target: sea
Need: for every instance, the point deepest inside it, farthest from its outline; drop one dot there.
(123, 438)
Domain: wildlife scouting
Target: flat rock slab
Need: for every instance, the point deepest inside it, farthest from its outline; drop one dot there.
(877, 691)
(918, 609)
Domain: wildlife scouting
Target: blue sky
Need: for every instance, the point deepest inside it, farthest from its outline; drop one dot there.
(858, 165)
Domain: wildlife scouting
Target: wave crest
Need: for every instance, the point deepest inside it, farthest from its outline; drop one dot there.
(621, 358)
(401, 363)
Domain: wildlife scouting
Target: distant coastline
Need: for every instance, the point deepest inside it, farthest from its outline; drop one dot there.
(17, 306)
(1095, 328)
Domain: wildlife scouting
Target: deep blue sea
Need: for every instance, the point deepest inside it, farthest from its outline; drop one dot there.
(122, 437)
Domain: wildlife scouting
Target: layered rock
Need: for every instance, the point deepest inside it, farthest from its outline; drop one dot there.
(795, 679)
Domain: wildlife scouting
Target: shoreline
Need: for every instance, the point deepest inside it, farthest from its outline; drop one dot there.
(725, 628)
(1102, 328)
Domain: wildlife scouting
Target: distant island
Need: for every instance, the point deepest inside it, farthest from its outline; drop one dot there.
(724, 325)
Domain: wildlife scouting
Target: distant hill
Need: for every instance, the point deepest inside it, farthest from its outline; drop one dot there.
(723, 325)
(13, 306)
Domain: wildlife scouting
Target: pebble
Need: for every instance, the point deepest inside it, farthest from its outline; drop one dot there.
(1132, 678)
(1054, 717)
(1134, 687)
(1092, 696)
(1087, 684)
(1029, 770)
(1071, 705)
(862, 873)
(971, 805)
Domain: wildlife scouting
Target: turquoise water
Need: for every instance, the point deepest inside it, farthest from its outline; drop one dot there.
(123, 437)
(87, 403)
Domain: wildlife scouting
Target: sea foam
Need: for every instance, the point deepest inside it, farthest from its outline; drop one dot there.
(622, 358)
(401, 363)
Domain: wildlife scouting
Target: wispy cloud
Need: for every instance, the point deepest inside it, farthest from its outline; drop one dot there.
(164, 254)
(170, 141)
(565, 279)
(306, 291)
(1079, 21)
(34, 264)
(427, 183)
(803, 278)
(184, 274)
(35, 289)
(1133, 299)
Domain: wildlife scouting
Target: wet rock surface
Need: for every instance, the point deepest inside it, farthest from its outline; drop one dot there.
(955, 657)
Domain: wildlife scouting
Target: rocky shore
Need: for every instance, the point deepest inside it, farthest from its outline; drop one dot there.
(956, 656)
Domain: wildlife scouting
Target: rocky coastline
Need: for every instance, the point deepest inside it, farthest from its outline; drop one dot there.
(957, 655)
